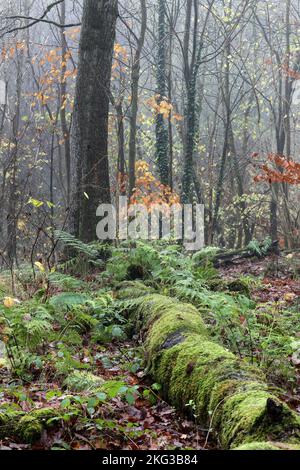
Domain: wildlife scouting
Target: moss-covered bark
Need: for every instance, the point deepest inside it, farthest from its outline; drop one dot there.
(27, 427)
(228, 395)
(268, 446)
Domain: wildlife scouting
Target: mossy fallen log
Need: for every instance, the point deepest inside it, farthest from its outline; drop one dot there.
(27, 427)
(267, 446)
(221, 257)
(228, 395)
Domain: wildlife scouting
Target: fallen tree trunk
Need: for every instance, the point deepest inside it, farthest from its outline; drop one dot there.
(28, 427)
(224, 258)
(226, 394)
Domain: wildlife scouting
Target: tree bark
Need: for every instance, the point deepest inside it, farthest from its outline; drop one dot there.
(90, 131)
(135, 77)
(63, 97)
(162, 137)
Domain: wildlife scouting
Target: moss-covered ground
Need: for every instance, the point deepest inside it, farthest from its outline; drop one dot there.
(206, 342)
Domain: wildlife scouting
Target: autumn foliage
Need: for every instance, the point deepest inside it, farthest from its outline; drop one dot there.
(149, 191)
(161, 105)
(282, 171)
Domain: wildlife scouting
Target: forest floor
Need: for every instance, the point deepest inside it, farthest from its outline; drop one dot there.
(279, 289)
(135, 416)
(142, 424)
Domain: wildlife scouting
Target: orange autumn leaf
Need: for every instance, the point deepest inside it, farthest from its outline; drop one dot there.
(283, 170)
(150, 191)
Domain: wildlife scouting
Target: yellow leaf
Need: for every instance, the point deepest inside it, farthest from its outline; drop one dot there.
(21, 224)
(3, 363)
(8, 302)
(35, 202)
(39, 266)
(289, 297)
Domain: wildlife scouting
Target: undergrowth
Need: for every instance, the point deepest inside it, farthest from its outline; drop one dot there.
(48, 331)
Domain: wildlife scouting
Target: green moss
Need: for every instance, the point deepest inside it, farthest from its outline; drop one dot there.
(176, 319)
(8, 422)
(268, 446)
(132, 290)
(227, 394)
(241, 414)
(162, 365)
(149, 309)
(153, 305)
(189, 381)
(229, 378)
(257, 446)
(30, 426)
(256, 415)
(80, 381)
(240, 286)
(157, 317)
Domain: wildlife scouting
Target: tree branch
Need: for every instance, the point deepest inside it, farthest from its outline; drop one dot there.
(41, 19)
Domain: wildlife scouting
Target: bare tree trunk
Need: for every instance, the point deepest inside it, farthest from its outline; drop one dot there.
(121, 145)
(90, 130)
(63, 97)
(12, 189)
(4, 172)
(135, 77)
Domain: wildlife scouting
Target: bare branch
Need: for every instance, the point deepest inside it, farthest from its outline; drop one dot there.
(34, 21)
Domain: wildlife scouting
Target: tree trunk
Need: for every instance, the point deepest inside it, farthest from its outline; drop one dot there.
(135, 77)
(228, 395)
(12, 215)
(121, 147)
(90, 131)
(161, 129)
(63, 98)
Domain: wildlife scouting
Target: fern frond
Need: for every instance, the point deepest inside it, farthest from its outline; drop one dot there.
(65, 281)
(76, 245)
(67, 300)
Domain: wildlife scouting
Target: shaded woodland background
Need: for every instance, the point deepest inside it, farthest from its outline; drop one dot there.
(201, 93)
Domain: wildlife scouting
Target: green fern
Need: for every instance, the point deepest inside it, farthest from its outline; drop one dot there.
(255, 248)
(260, 249)
(82, 381)
(65, 281)
(36, 331)
(83, 321)
(206, 254)
(144, 258)
(76, 245)
(66, 363)
(28, 326)
(71, 337)
(68, 300)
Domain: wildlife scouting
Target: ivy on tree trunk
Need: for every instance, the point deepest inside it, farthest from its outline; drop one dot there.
(162, 144)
